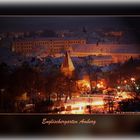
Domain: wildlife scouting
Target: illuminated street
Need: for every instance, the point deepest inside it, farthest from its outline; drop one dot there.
(80, 104)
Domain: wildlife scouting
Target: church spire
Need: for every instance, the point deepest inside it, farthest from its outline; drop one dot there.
(67, 66)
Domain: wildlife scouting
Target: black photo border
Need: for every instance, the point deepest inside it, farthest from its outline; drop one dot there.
(19, 124)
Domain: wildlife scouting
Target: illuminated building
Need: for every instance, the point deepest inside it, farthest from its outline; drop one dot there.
(104, 54)
(55, 45)
(101, 60)
(67, 66)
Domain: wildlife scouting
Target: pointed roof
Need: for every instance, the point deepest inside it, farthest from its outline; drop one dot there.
(67, 65)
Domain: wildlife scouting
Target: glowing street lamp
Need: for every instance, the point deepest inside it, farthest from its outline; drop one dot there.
(100, 85)
(132, 79)
(125, 81)
(118, 87)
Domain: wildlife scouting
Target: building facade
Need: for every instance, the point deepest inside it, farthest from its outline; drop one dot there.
(67, 67)
(104, 54)
(54, 45)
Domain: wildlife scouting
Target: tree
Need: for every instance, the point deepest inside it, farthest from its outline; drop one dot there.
(109, 102)
(129, 105)
(4, 75)
(61, 85)
(25, 79)
(6, 104)
(89, 71)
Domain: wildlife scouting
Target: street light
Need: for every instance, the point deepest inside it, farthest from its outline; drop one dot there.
(125, 81)
(118, 87)
(132, 79)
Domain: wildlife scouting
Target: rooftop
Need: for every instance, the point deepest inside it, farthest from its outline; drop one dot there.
(48, 38)
(107, 48)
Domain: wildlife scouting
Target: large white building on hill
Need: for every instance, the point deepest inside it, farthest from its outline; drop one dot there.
(104, 54)
(53, 45)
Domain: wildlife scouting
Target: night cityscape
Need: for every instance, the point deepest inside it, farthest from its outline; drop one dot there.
(70, 64)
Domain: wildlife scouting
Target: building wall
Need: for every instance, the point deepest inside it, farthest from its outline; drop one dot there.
(102, 62)
(116, 57)
(118, 52)
(54, 45)
(78, 47)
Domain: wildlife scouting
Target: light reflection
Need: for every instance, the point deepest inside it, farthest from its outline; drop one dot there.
(98, 103)
(124, 95)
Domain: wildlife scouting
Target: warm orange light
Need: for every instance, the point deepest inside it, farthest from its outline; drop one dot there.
(80, 104)
(101, 82)
(77, 108)
(98, 103)
(119, 87)
(124, 95)
(77, 112)
(100, 85)
(132, 79)
(125, 81)
(84, 84)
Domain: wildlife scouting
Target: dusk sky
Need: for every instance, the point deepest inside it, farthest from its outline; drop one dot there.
(24, 23)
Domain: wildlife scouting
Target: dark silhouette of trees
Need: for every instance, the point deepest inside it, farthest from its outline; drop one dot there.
(89, 70)
(124, 72)
(25, 79)
(61, 85)
(4, 75)
(6, 104)
(109, 102)
(129, 105)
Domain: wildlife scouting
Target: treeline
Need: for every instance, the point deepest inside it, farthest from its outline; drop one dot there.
(26, 79)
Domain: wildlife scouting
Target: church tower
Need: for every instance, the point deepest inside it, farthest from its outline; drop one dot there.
(67, 66)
